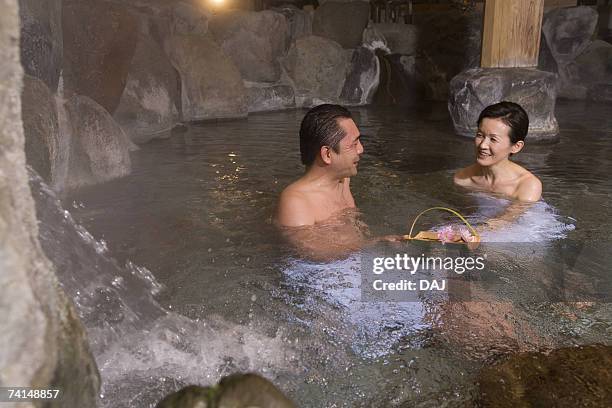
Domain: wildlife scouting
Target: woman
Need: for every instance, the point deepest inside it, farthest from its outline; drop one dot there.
(501, 133)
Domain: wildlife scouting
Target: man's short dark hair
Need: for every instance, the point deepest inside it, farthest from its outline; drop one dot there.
(319, 128)
(512, 114)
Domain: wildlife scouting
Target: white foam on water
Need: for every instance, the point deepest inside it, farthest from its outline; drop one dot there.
(376, 325)
(539, 223)
(178, 349)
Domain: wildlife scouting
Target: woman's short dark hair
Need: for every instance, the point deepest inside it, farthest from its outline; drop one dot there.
(319, 128)
(512, 114)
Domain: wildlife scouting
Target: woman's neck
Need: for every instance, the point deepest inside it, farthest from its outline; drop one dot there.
(497, 172)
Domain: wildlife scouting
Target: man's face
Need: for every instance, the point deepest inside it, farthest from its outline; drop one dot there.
(349, 150)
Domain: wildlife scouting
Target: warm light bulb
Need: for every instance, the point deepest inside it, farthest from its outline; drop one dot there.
(217, 2)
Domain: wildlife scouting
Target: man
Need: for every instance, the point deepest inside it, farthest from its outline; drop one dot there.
(317, 212)
(330, 149)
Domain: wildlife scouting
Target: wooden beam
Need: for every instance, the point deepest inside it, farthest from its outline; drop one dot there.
(511, 33)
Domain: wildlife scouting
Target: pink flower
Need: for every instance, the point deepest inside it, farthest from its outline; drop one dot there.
(467, 235)
(446, 234)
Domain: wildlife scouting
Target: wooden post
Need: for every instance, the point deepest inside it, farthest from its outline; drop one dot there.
(511, 33)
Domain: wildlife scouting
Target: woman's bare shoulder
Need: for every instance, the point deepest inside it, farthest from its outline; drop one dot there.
(529, 188)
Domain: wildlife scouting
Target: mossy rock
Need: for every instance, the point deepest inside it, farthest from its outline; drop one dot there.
(235, 391)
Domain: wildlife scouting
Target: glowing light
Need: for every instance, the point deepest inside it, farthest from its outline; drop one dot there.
(217, 2)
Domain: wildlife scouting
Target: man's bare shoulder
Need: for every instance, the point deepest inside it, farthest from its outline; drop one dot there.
(463, 177)
(529, 188)
(294, 208)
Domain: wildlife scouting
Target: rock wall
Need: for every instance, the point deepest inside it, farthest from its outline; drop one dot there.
(211, 83)
(41, 39)
(99, 43)
(341, 22)
(101, 70)
(43, 344)
(150, 104)
(571, 49)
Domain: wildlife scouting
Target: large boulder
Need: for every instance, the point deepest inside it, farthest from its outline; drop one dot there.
(595, 63)
(99, 43)
(99, 149)
(362, 79)
(43, 344)
(268, 98)
(399, 38)
(187, 18)
(318, 67)
(254, 41)
(211, 85)
(594, 66)
(41, 39)
(235, 391)
(150, 103)
(298, 21)
(567, 377)
(568, 31)
(342, 22)
(40, 126)
(475, 89)
(166, 19)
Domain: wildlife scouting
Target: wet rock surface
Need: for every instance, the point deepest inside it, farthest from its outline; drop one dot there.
(269, 98)
(594, 67)
(362, 79)
(254, 41)
(400, 38)
(568, 31)
(567, 377)
(99, 148)
(99, 43)
(299, 22)
(318, 67)
(341, 22)
(211, 85)
(151, 101)
(40, 126)
(41, 39)
(235, 391)
(186, 18)
(43, 344)
(475, 89)
(583, 65)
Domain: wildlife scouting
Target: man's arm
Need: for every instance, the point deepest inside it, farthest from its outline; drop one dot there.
(294, 210)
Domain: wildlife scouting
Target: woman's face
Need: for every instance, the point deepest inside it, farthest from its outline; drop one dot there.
(493, 143)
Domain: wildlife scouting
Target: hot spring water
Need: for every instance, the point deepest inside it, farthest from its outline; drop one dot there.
(193, 284)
